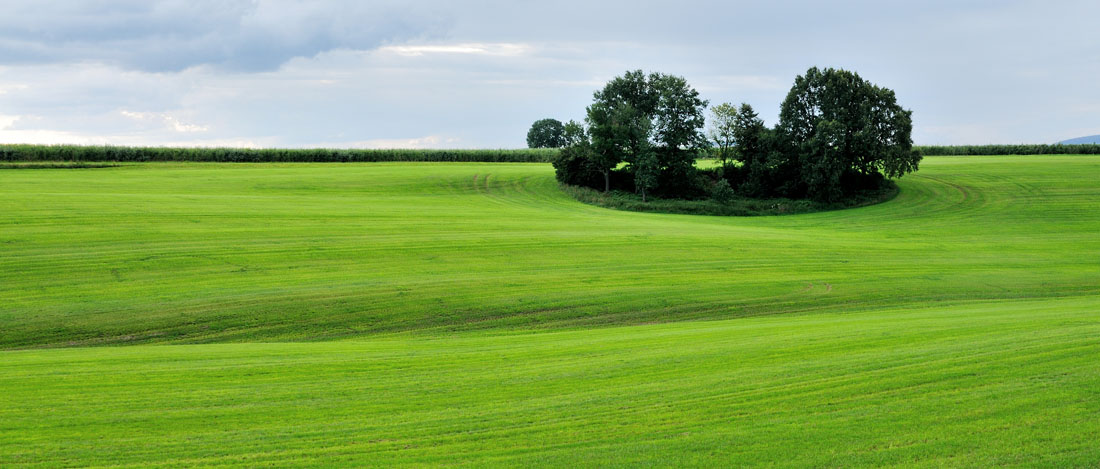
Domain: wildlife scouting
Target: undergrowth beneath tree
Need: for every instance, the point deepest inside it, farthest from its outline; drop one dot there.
(736, 206)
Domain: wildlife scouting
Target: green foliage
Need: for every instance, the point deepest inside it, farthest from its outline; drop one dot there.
(721, 192)
(646, 172)
(840, 123)
(636, 115)
(723, 200)
(619, 122)
(721, 131)
(575, 166)
(18, 152)
(677, 123)
(835, 128)
(574, 133)
(546, 133)
(754, 146)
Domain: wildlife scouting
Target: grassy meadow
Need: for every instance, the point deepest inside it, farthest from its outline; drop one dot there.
(474, 314)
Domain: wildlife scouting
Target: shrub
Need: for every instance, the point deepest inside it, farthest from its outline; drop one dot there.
(722, 192)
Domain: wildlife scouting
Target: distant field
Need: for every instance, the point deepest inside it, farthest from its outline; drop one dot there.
(473, 313)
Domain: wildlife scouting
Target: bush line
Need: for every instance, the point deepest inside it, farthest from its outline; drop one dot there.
(29, 153)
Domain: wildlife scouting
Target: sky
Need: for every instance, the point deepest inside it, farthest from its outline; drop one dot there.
(476, 74)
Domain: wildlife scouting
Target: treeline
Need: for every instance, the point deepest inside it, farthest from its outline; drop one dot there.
(9, 152)
(1022, 149)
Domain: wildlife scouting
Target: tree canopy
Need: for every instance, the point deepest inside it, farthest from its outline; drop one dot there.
(720, 131)
(840, 123)
(651, 122)
(546, 133)
(837, 134)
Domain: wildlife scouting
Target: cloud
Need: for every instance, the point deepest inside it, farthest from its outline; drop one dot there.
(7, 121)
(49, 137)
(168, 120)
(430, 141)
(166, 36)
(476, 73)
(5, 89)
(496, 49)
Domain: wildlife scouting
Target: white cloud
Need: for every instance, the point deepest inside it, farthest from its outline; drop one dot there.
(7, 121)
(168, 120)
(50, 137)
(430, 141)
(58, 137)
(5, 89)
(492, 49)
(544, 83)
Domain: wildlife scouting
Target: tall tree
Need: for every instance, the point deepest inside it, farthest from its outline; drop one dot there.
(720, 130)
(646, 170)
(752, 150)
(840, 124)
(635, 114)
(678, 122)
(619, 121)
(746, 128)
(546, 133)
(604, 129)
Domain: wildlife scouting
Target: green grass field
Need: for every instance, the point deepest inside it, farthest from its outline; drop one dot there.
(453, 313)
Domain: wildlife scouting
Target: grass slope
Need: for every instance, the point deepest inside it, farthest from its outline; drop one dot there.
(1007, 383)
(955, 325)
(217, 253)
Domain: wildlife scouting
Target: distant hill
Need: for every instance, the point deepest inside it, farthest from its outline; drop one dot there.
(1081, 140)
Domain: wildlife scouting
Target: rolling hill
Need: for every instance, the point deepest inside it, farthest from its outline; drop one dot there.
(1094, 139)
(171, 314)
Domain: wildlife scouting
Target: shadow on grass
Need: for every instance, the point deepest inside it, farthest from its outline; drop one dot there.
(740, 206)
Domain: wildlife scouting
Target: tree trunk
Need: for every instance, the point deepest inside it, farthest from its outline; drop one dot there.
(606, 181)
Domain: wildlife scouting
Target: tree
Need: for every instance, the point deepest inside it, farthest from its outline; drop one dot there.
(608, 144)
(721, 130)
(573, 133)
(840, 125)
(574, 163)
(546, 133)
(753, 148)
(619, 121)
(837, 134)
(746, 129)
(678, 132)
(645, 172)
(635, 114)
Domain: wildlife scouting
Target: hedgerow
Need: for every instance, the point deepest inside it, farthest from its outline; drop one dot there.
(1018, 149)
(22, 152)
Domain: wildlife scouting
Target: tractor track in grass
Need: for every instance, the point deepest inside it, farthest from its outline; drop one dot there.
(380, 248)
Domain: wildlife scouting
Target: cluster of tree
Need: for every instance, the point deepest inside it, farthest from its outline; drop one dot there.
(646, 127)
(837, 134)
